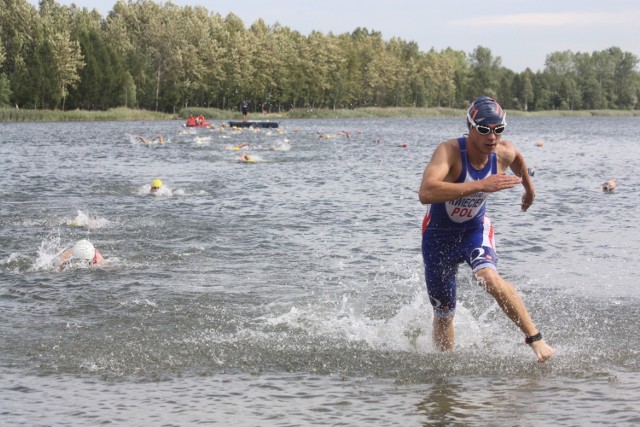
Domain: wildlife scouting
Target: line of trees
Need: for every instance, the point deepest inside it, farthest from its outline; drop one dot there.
(163, 57)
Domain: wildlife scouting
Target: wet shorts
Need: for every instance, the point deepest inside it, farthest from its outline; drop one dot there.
(443, 250)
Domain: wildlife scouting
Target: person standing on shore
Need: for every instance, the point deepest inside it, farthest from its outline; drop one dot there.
(245, 111)
(455, 185)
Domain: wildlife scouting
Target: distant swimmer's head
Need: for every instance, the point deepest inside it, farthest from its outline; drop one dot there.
(84, 250)
(156, 185)
(609, 186)
(485, 111)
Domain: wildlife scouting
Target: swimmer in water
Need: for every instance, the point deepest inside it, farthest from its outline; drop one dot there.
(83, 251)
(157, 138)
(238, 147)
(609, 186)
(244, 157)
(156, 185)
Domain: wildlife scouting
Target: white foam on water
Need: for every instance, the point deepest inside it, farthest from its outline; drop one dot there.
(138, 302)
(88, 221)
(409, 330)
(145, 190)
(203, 140)
(281, 145)
(47, 253)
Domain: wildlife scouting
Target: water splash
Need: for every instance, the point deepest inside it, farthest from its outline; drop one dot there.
(88, 221)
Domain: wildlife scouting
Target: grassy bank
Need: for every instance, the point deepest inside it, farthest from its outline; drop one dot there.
(374, 112)
(115, 114)
(128, 114)
(576, 113)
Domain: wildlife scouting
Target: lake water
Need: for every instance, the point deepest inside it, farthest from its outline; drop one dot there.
(290, 290)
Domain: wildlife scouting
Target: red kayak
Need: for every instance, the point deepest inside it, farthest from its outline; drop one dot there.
(196, 125)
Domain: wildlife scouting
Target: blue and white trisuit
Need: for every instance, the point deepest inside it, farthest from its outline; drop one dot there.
(457, 231)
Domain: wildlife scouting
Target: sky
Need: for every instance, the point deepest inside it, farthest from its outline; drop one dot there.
(521, 32)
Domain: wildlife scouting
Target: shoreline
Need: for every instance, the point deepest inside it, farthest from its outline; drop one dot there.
(13, 115)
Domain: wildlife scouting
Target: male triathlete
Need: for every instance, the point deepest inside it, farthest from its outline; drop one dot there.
(454, 187)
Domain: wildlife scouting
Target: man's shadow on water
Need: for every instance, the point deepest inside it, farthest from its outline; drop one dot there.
(465, 401)
(444, 405)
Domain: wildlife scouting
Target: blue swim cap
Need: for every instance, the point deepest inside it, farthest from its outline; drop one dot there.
(486, 111)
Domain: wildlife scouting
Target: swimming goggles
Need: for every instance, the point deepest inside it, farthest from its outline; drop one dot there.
(486, 130)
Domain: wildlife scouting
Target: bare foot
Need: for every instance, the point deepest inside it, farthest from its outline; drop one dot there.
(542, 350)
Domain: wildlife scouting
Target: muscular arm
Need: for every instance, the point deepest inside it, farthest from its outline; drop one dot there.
(99, 259)
(65, 255)
(519, 167)
(444, 167)
(436, 185)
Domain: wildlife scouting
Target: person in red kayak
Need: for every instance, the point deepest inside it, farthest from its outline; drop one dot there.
(191, 121)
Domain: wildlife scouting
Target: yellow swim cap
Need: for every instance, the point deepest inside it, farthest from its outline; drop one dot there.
(156, 183)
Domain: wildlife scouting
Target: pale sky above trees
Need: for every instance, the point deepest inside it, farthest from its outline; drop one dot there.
(521, 32)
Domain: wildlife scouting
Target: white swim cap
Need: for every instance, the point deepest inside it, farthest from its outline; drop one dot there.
(84, 250)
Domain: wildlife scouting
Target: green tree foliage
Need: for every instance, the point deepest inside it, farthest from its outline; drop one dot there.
(485, 73)
(162, 57)
(101, 85)
(523, 90)
(5, 90)
(66, 61)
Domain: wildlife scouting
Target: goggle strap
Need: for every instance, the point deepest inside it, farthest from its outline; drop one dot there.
(474, 124)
